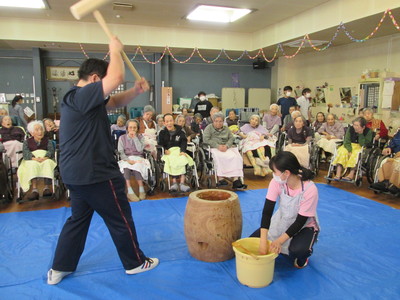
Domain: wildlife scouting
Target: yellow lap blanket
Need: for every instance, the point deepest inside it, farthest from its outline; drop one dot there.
(174, 163)
(30, 169)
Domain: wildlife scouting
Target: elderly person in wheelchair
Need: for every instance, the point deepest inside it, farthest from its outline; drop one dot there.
(376, 125)
(356, 137)
(148, 129)
(227, 161)
(272, 120)
(38, 161)
(257, 143)
(132, 163)
(389, 169)
(331, 132)
(299, 137)
(173, 139)
(12, 138)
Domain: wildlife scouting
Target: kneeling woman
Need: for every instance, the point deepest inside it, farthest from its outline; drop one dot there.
(227, 161)
(174, 141)
(294, 227)
(132, 163)
(38, 162)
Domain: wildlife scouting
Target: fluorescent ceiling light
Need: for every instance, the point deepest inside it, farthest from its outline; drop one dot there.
(24, 3)
(217, 13)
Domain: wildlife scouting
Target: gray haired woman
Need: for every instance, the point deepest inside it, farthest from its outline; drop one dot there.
(227, 160)
(38, 161)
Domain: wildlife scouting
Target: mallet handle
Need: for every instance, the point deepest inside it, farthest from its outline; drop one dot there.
(103, 24)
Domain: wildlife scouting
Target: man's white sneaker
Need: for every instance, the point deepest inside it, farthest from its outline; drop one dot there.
(54, 277)
(174, 187)
(148, 265)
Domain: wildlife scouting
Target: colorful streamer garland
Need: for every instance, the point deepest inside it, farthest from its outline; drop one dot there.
(260, 53)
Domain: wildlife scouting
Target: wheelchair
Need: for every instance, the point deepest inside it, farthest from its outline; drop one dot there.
(209, 173)
(359, 169)
(191, 174)
(7, 179)
(58, 186)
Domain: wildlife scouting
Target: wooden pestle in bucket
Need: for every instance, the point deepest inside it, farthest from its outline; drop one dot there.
(247, 251)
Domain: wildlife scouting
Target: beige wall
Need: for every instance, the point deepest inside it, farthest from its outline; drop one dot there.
(340, 66)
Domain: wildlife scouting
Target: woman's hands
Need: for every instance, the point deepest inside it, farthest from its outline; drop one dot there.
(276, 246)
(222, 148)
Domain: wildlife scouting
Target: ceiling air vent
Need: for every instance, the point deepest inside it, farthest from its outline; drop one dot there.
(297, 43)
(122, 6)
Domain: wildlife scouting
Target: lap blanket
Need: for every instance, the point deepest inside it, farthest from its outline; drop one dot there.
(253, 141)
(328, 145)
(302, 154)
(175, 164)
(141, 165)
(12, 147)
(30, 169)
(229, 163)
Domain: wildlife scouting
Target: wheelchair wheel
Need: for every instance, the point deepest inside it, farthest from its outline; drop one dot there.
(163, 186)
(201, 164)
(193, 182)
(209, 183)
(57, 193)
(373, 159)
(358, 182)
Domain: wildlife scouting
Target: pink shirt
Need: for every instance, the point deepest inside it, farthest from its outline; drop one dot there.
(308, 205)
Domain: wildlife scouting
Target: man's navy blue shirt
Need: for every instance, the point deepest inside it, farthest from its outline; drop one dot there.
(285, 104)
(86, 144)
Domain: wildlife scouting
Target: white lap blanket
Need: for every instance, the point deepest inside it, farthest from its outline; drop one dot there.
(141, 165)
(229, 163)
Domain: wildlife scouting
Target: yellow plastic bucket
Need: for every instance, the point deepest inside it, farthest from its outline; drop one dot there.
(255, 270)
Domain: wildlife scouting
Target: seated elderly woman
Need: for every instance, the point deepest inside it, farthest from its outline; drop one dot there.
(289, 120)
(12, 138)
(356, 137)
(272, 120)
(232, 121)
(132, 163)
(50, 129)
(159, 123)
(148, 128)
(196, 123)
(38, 161)
(181, 121)
(3, 112)
(389, 170)
(208, 120)
(320, 119)
(188, 119)
(331, 132)
(299, 136)
(257, 145)
(227, 161)
(375, 125)
(173, 139)
(120, 125)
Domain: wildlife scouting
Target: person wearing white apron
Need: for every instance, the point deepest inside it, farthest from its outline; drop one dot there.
(294, 227)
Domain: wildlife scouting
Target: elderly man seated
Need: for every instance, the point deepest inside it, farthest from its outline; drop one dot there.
(12, 138)
(389, 171)
(148, 128)
(227, 161)
(38, 161)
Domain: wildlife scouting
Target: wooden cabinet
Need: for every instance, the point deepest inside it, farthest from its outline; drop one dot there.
(166, 100)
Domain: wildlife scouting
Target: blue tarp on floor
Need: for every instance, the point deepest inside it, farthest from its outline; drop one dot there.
(357, 256)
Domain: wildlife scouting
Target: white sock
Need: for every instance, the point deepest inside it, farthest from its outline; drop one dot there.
(130, 190)
(141, 189)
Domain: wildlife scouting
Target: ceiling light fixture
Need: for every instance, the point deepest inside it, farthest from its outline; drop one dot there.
(219, 14)
(40, 4)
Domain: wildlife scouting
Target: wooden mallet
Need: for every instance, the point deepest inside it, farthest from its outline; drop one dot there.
(85, 7)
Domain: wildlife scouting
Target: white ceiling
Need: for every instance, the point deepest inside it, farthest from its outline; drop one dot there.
(171, 13)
